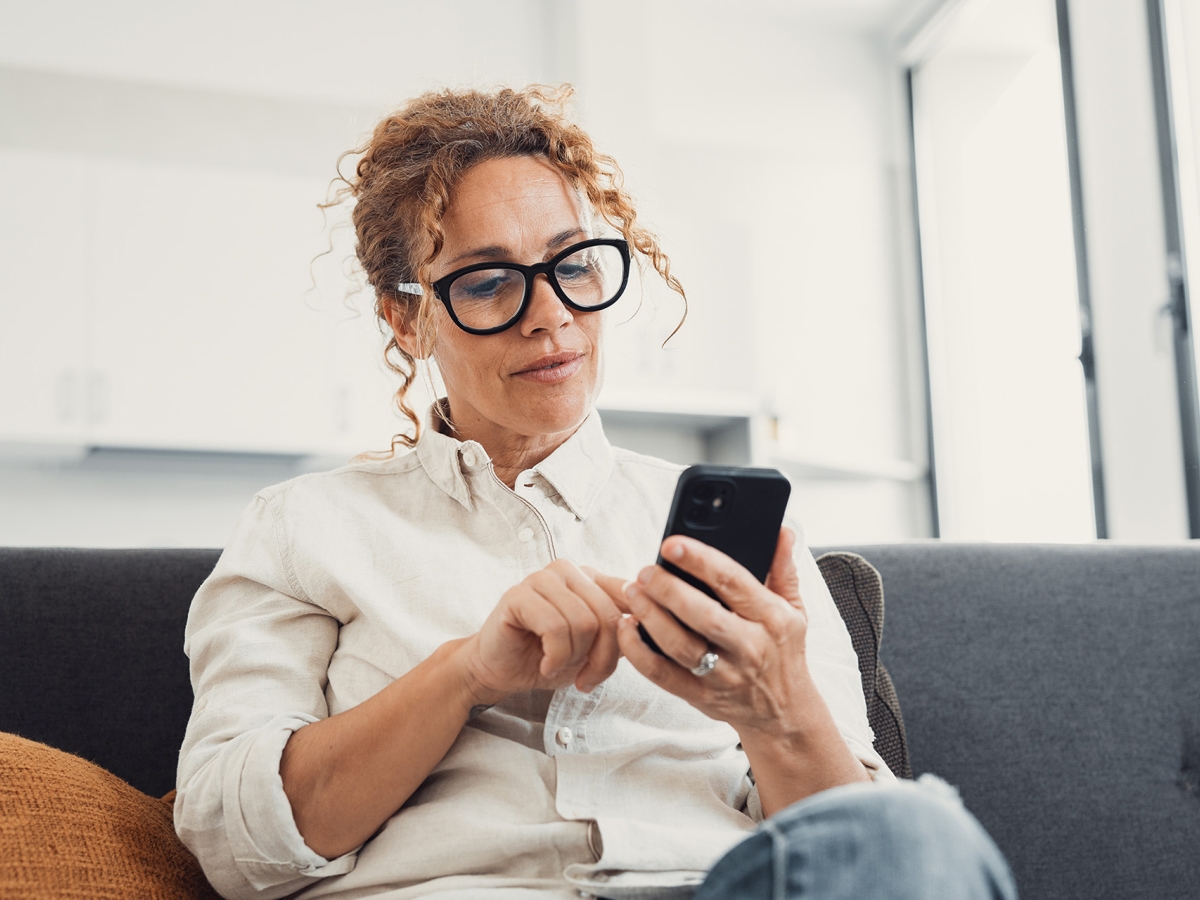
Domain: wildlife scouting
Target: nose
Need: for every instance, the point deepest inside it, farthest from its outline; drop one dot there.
(546, 312)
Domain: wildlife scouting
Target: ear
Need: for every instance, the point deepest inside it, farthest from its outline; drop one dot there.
(403, 321)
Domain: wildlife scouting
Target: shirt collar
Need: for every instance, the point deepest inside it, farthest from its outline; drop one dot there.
(578, 470)
(442, 457)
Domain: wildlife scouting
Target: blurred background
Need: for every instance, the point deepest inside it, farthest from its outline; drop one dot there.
(936, 251)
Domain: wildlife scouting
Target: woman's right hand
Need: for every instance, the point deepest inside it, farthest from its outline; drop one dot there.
(555, 628)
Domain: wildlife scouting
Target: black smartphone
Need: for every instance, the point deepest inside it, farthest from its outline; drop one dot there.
(737, 510)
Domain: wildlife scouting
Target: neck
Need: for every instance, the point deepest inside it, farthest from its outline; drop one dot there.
(511, 453)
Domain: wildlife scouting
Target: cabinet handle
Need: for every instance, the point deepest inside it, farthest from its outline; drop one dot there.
(66, 396)
(97, 398)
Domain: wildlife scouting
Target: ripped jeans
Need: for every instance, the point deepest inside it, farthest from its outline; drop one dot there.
(908, 841)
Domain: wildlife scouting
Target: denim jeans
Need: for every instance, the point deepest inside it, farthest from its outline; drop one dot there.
(908, 841)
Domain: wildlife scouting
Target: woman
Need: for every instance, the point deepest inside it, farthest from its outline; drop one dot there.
(422, 675)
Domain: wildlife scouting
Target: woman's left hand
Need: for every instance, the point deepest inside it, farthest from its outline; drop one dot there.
(761, 681)
(761, 684)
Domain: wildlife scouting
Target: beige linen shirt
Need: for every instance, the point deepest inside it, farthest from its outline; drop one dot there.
(336, 584)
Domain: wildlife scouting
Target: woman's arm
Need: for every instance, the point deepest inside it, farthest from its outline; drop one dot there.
(260, 650)
(762, 684)
(346, 775)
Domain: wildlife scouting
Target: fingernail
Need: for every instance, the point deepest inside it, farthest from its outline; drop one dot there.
(631, 589)
(644, 575)
(675, 551)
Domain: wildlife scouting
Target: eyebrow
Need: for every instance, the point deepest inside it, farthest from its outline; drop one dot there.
(497, 252)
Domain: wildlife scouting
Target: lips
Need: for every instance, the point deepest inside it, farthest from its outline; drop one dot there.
(554, 367)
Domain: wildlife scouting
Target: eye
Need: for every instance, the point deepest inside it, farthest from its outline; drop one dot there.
(483, 285)
(575, 269)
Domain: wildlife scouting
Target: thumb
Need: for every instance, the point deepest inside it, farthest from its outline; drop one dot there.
(783, 579)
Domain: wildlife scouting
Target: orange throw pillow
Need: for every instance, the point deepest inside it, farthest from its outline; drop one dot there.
(69, 830)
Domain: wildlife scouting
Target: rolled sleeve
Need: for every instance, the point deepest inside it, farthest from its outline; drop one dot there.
(235, 817)
(259, 655)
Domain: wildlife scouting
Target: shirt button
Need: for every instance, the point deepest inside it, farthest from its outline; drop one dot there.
(468, 458)
(564, 736)
(525, 535)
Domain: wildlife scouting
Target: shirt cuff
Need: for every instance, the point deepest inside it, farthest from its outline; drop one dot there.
(263, 837)
(753, 806)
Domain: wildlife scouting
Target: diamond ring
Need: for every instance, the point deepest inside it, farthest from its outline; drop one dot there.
(707, 663)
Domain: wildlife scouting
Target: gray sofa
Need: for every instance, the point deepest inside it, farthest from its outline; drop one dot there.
(1057, 686)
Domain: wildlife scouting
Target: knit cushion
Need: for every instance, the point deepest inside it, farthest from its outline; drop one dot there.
(69, 829)
(857, 590)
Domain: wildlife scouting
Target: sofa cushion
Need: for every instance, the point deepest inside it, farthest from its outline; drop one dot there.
(857, 590)
(69, 829)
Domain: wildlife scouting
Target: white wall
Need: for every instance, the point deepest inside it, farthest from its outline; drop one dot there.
(768, 151)
(765, 146)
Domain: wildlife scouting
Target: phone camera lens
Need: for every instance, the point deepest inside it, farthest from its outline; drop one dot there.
(708, 502)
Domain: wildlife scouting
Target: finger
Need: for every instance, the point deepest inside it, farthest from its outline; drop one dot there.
(534, 613)
(583, 626)
(783, 579)
(613, 586)
(665, 673)
(678, 642)
(740, 590)
(660, 596)
(605, 652)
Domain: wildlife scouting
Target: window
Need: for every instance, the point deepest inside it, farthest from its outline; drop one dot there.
(1010, 425)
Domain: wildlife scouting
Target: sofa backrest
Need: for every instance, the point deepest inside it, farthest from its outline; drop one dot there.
(1059, 688)
(91, 654)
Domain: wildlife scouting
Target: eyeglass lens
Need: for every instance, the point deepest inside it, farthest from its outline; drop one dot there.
(489, 298)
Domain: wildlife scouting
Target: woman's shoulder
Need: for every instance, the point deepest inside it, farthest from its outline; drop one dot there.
(359, 475)
(631, 463)
(648, 476)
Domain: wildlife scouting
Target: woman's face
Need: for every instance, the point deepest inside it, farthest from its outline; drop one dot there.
(538, 378)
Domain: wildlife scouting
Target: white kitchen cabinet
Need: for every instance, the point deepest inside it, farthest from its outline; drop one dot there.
(365, 388)
(201, 334)
(366, 417)
(159, 306)
(46, 207)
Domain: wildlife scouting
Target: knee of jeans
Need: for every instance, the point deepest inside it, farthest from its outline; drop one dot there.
(865, 841)
(906, 824)
(908, 841)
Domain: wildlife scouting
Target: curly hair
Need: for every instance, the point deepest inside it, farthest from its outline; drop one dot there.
(406, 175)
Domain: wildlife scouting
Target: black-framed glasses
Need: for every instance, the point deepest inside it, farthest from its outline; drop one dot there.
(485, 298)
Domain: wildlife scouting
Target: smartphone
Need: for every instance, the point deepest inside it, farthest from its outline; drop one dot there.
(737, 510)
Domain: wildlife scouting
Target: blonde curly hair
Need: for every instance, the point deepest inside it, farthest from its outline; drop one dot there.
(406, 175)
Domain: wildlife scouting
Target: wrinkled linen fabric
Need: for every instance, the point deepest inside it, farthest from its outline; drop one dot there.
(335, 584)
